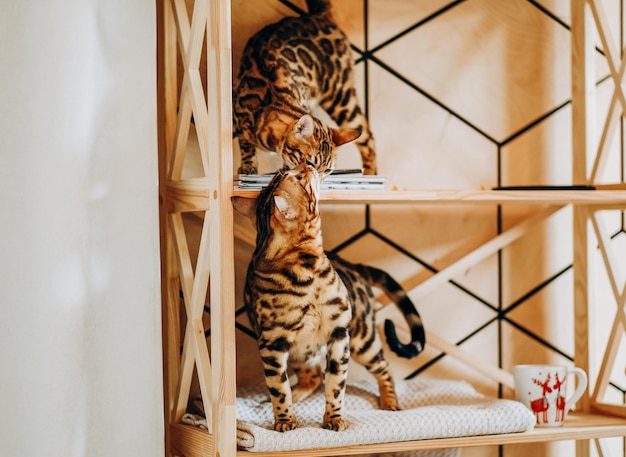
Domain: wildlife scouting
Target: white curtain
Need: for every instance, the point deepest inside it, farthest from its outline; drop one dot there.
(80, 341)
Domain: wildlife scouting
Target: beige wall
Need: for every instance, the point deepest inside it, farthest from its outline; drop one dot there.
(80, 333)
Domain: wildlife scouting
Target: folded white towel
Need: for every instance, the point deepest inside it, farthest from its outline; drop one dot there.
(431, 409)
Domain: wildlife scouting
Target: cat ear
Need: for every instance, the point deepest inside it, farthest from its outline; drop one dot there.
(245, 206)
(287, 210)
(343, 136)
(304, 127)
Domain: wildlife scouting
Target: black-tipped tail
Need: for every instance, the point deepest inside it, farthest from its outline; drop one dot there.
(410, 350)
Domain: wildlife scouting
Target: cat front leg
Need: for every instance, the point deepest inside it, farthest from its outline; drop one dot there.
(338, 357)
(249, 164)
(275, 368)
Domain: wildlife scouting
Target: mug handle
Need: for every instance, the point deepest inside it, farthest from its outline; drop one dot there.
(581, 385)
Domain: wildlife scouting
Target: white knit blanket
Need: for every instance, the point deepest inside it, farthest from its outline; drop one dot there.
(431, 409)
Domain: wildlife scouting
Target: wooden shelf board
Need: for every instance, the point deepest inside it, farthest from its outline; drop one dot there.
(193, 442)
(441, 196)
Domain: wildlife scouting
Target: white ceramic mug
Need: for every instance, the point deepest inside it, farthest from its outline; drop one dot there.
(542, 388)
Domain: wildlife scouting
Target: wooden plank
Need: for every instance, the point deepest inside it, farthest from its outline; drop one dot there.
(185, 376)
(583, 285)
(186, 195)
(166, 112)
(197, 442)
(613, 186)
(583, 89)
(583, 142)
(184, 259)
(190, 441)
(611, 50)
(482, 252)
(167, 76)
(608, 361)
(421, 287)
(552, 197)
(194, 286)
(187, 358)
(182, 114)
(492, 372)
(610, 409)
(463, 197)
(220, 173)
(613, 115)
(198, 298)
(181, 134)
(611, 266)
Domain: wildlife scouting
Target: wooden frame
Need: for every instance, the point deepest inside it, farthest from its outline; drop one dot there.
(183, 37)
(585, 15)
(212, 119)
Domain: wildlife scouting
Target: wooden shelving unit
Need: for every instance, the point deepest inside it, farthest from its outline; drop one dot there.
(181, 36)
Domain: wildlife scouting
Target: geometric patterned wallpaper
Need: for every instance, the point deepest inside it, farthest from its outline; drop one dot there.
(460, 95)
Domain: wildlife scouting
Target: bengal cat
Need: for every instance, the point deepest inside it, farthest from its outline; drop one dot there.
(313, 310)
(286, 69)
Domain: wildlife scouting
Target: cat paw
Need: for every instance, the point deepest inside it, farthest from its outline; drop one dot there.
(247, 169)
(285, 426)
(389, 405)
(336, 424)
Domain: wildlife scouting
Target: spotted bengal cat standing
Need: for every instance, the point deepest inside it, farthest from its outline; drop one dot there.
(312, 310)
(286, 69)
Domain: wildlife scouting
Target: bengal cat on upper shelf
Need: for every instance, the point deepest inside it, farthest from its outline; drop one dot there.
(312, 310)
(286, 69)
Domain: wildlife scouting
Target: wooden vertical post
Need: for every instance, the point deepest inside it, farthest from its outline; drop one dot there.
(583, 108)
(167, 102)
(583, 122)
(222, 294)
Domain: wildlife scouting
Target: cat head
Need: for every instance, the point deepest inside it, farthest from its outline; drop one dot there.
(288, 206)
(310, 140)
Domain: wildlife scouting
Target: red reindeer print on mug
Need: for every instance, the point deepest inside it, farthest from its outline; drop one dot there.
(542, 404)
(560, 399)
(543, 389)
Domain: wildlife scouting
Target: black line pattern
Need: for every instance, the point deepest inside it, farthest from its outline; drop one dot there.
(501, 313)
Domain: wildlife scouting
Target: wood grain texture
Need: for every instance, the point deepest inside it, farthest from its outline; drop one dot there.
(219, 170)
(576, 427)
(462, 197)
(167, 106)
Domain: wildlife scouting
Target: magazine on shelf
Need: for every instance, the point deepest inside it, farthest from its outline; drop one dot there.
(348, 179)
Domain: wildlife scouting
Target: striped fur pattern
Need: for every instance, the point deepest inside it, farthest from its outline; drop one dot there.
(286, 69)
(311, 310)
(359, 279)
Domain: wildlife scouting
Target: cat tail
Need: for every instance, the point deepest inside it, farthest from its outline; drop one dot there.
(397, 294)
(318, 6)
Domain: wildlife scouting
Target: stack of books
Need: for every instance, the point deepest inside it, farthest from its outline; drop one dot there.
(344, 179)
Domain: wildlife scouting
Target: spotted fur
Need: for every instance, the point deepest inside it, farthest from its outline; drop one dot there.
(359, 280)
(286, 69)
(311, 309)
